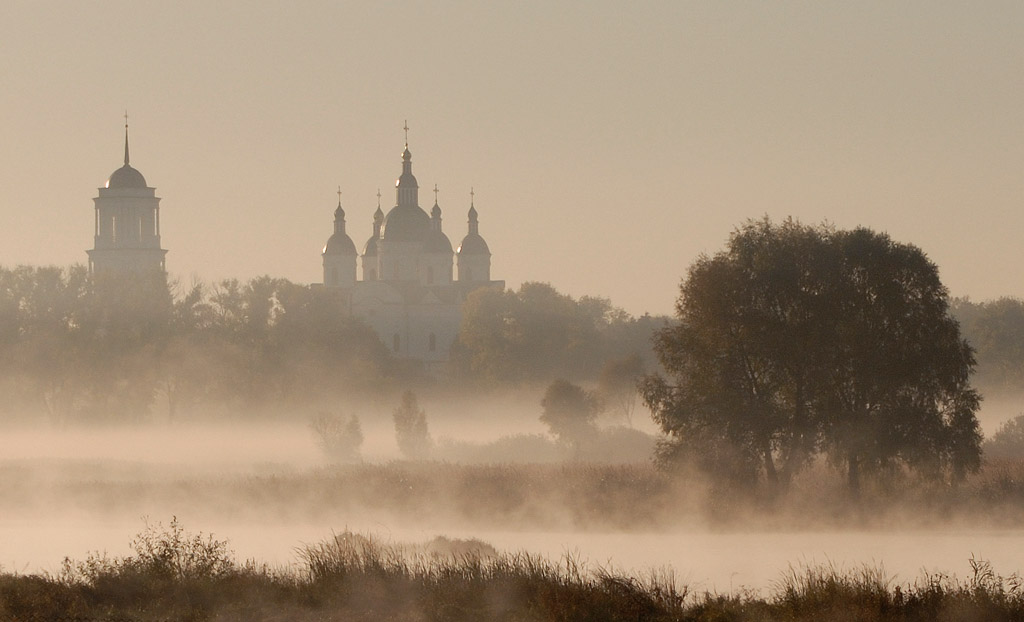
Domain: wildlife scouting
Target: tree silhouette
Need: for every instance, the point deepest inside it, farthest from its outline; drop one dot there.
(796, 340)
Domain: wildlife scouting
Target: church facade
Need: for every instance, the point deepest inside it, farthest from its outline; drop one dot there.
(126, 236)
(411, 283)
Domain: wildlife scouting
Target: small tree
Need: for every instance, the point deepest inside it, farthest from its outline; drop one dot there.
(411, 428)
(1008, 441)
(339, 437)
(569, 412)
(617, 384)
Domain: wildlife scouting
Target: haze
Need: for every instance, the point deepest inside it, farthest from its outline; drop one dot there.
(608, 144)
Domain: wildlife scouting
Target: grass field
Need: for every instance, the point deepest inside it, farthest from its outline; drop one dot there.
(176, 575)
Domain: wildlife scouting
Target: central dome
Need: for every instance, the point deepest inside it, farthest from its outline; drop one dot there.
(126, 177)
(405, 223)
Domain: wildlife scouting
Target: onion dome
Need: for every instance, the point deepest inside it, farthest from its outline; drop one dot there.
(473, 244)
(437, 241)
(370, 248)
(406, 222)
(126, 176)
(339, 243)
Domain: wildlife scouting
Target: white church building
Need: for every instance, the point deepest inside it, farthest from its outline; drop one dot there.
(409, 292)
(126, 236)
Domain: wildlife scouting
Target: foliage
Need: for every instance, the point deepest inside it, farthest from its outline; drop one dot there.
(617, 384)
(1007, 442)
(339, 437)
(797, 340)
(539, 334)
(995, 329)
(569, 411)
(411, 428)
(81, 348)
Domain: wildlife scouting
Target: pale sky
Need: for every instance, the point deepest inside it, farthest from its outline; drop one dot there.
(609, 143)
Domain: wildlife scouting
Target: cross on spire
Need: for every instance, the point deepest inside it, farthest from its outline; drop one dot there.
(471, 196)
(126, 159)
(339, 196)
(435, 193)
(378, 198)
(406, 128)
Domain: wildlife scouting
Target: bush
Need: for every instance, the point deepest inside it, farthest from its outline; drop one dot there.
(340, 438)
(411, 428)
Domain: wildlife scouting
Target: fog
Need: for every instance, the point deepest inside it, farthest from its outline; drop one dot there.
(268, 488)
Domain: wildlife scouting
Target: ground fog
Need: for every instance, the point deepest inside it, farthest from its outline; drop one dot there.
(268, 488)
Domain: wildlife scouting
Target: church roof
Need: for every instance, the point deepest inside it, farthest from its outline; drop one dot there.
(437, 242)
(370, 249)
(405, 223)
(126, 177)
(340, 244)
(473, 244)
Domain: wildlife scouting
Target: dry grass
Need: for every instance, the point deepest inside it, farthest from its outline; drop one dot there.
(177, 576)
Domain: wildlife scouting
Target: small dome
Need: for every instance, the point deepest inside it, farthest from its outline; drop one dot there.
(370, 250)
(436, 211)
(339, 244)
(126, 177)
(473, 244)
(405, 223)
(437, 242)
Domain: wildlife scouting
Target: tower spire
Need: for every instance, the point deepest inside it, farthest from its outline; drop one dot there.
(406, 128)
(126, 138)
(339, 196)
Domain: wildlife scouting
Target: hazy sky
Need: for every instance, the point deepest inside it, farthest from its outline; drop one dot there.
(609, 143)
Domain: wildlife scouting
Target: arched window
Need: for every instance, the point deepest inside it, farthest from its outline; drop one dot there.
(432, 342)
(397, 342)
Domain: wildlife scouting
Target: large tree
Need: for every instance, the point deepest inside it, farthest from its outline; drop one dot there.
(798, 339)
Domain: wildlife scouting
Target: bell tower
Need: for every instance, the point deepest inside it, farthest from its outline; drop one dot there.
(127, 231)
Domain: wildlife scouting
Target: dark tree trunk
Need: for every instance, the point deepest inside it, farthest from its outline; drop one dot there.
(853, 475)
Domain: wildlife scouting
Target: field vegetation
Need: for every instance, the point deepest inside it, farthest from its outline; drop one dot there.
(175, 575)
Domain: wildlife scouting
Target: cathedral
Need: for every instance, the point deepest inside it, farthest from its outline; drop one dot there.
(408, 292)
(126, 235)
(412, 283)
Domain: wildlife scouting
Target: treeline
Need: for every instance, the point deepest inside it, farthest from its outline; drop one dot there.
(537, 334)
(108, 349)
(120, 348)
(995, 329)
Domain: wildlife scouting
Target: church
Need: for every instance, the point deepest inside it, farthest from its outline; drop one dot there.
(408, 291)
(412, 283)
(126, 235)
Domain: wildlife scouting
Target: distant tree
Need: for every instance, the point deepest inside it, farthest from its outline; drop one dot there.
(538, 334)
(339, 437)
(1007, 442)
(569, 411)
(617, 384)
(995, 329)
(798, 339)
(411, 428)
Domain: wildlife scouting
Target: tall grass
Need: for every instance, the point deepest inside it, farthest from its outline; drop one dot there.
(177, 576)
